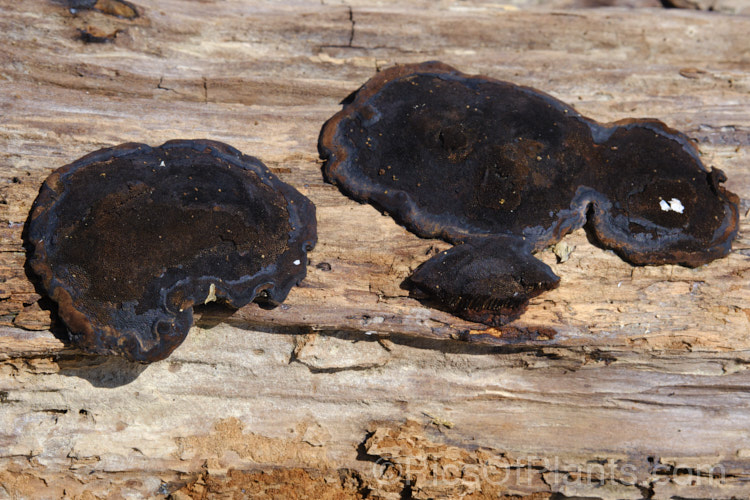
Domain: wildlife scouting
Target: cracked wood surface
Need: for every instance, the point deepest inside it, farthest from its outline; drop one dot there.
(351, 387)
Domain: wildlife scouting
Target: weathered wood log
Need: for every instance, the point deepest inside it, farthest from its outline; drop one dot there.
(626, 382)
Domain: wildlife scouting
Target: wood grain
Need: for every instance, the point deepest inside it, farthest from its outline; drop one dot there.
(646, 368)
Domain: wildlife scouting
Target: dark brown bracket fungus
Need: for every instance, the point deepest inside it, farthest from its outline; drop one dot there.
(502, 171)
(128, 239)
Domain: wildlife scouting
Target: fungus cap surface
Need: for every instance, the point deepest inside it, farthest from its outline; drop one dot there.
(128, 239)
(464, 158)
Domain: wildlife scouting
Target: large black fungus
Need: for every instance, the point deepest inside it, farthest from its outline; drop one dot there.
(128, 239)
(502, 171)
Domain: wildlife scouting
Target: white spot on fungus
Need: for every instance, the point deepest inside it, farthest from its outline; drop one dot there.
(676, 205)
(673, 205)
(211, 294)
